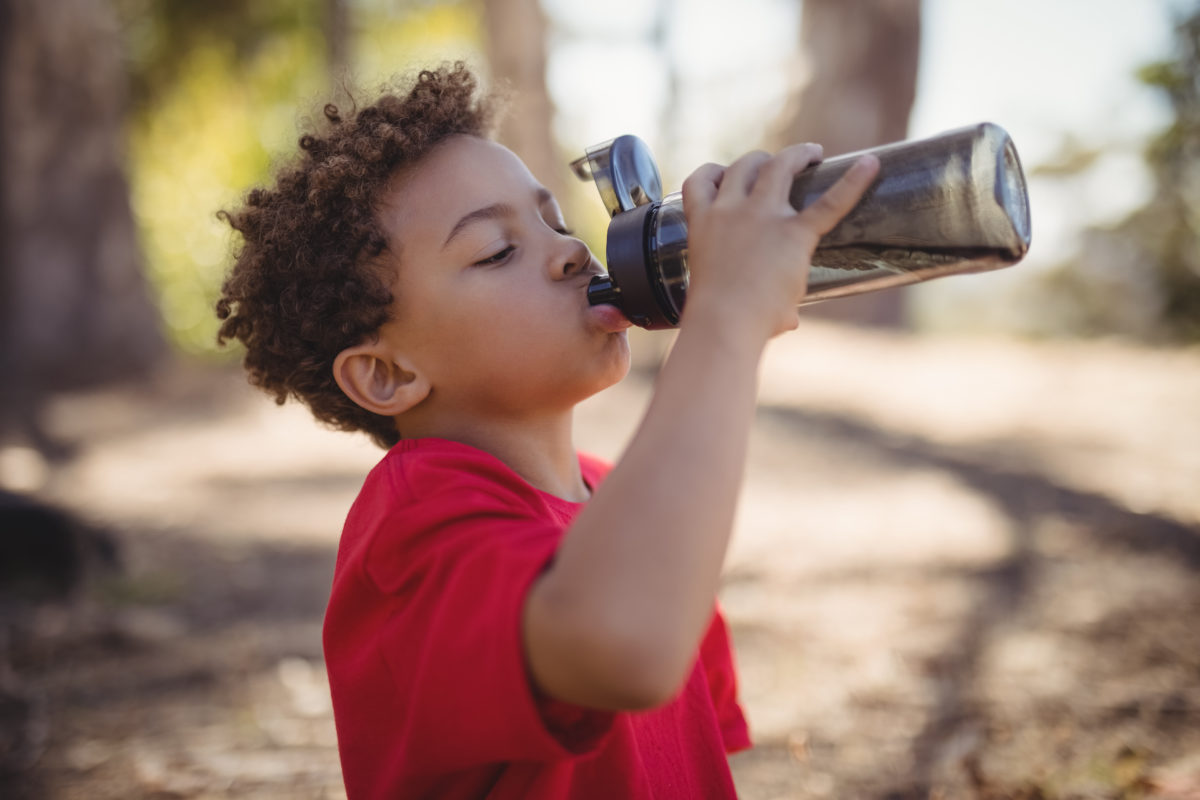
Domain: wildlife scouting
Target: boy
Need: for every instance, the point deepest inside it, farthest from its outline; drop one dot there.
(489, 634)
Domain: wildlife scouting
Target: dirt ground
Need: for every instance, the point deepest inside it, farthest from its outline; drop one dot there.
(962, 568)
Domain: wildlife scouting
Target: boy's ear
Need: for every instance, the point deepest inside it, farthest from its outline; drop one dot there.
(376, 383)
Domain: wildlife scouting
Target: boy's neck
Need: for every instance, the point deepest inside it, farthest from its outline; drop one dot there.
(542, 451)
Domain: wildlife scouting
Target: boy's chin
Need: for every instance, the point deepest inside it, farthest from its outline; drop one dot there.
(619, 370)
(613, 373)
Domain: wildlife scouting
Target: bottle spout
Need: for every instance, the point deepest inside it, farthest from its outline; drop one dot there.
(602, 290)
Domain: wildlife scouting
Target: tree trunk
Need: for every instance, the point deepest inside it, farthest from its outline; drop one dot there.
(74, 309)
(861, 63)
(516, 48)
(337, 40)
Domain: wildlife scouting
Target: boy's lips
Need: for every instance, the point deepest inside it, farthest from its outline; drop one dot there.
(608, 318)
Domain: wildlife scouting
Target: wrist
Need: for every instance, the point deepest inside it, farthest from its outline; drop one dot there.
(736, 326)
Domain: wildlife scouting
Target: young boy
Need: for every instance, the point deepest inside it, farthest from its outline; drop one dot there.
(509, 619)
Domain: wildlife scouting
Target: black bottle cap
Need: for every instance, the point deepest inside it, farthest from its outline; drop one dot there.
(630, 269)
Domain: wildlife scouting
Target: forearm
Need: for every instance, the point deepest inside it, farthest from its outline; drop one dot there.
(616, 620)
(640, 566)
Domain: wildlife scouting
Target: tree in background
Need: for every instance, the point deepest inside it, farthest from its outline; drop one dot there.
(216, 87)
(1174, 156)
(73, 306)
(515, 32)
(337, 37)
(860, 59)
(1141, 277)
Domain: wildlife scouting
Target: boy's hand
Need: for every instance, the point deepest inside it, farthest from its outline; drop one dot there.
(749, 249)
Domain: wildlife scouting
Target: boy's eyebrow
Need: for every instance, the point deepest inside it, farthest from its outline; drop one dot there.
(494, 211)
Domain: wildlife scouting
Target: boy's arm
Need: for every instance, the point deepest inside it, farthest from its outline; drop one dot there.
(615, 622)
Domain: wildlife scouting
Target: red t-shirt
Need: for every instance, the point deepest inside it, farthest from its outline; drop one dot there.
(431, 697)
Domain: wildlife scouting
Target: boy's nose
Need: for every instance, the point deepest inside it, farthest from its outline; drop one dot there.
(572, 258)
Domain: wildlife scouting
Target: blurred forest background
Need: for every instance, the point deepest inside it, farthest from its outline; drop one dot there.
(126, 124)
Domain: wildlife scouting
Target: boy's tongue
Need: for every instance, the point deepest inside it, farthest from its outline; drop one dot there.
(608, 318)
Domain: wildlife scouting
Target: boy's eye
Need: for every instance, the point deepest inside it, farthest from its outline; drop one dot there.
(496, 258)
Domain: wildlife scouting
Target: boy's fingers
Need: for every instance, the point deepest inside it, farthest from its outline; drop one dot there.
(838, 199)
(775, 178)
(741, 174)
(700, 188)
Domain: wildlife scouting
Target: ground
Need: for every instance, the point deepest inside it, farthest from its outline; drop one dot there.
(962, 568)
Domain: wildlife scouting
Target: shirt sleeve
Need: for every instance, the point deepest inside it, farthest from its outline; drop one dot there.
(716, 654)
(457, 578)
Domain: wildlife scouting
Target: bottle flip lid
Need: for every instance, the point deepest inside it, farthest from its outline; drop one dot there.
(624, 171)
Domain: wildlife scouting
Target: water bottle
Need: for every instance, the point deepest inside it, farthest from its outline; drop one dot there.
(947, 205)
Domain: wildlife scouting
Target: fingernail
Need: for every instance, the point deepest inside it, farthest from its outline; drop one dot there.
(865, 163)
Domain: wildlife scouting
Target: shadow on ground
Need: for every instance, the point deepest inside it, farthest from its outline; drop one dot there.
(1126, 722)
(915, 616)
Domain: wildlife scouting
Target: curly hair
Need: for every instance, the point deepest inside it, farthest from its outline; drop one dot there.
(309, 279)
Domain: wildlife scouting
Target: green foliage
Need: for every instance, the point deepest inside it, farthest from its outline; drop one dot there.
(1175, 157)
(1141, 277)
(213, 132)
(218, 90)
(387, 43)
(161, 36)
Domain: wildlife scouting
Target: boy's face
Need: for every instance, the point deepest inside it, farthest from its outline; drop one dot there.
(490, 292)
